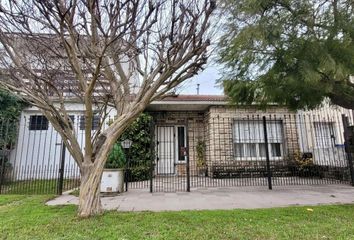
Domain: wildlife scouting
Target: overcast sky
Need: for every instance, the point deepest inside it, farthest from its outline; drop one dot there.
(207, 80)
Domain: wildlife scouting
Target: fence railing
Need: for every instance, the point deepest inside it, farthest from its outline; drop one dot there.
(254, 150)
(200, 151)
(33, 158)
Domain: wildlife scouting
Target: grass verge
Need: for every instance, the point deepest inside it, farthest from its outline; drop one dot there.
(38, 186)
(26, 217)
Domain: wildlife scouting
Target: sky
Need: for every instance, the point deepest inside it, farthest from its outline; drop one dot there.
(207, 80)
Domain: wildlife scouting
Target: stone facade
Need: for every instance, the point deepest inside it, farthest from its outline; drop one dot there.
(220, 120)
(194, 122)
(214, 127)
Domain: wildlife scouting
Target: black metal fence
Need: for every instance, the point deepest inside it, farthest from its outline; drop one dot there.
(294, 149)
(197, 151)
(250, 150)
(33, 158)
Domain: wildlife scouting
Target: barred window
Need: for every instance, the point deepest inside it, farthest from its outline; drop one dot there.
(38, 122)
(249, 143)
(324, 134)
(95, 122)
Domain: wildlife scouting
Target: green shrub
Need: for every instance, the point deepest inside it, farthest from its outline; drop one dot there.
(141, 153)
(116, 158)
(139, 173)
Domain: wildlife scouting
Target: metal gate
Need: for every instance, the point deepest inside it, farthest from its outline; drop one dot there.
(168, 168)
(170, 173)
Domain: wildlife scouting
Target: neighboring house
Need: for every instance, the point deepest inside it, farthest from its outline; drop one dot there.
(39, 149)
(324, 137)
(232, 136)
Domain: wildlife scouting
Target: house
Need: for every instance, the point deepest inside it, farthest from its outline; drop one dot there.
(324, 135)
(204, 136)
(230, 134)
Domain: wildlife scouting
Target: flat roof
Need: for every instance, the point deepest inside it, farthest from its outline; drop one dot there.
(187, 103)
(206, 98)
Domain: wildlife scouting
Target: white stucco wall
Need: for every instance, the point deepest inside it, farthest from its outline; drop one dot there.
(38, 153)
(315, 127)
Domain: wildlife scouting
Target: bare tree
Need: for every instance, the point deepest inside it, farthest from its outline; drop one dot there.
(123, 54)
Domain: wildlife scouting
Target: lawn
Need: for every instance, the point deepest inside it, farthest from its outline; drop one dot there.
(26, 217)
(38, 186)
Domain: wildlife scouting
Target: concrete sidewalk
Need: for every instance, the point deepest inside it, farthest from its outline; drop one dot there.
(222, 198)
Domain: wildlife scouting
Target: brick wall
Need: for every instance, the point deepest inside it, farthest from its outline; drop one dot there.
(215, 128)
(195, 130)
(219, 134)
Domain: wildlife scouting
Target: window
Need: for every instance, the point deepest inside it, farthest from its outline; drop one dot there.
(275, 149)
(324, 134)
(95, 122)
(72, 117)
(249, 143)
(181, 141)
(38, 122)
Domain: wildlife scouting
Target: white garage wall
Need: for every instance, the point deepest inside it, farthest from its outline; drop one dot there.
(38, 153)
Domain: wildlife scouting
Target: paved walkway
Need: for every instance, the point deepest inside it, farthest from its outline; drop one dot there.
(222, 198)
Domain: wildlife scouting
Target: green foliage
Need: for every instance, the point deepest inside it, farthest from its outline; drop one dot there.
(11, 106)
(140, 154)
(116, 158)
(200, 149)
(8, 133)
(10, 110)
(295, 53)
(302, 162)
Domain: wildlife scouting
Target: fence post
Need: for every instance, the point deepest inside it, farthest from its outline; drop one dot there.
(2, 170)
(61, 169)
(152, 149)
(188, 162)
(127, 172)
(347, 150)
(4, 132)
(269, 172)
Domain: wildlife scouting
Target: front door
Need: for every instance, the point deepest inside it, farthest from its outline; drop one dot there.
(165, 164)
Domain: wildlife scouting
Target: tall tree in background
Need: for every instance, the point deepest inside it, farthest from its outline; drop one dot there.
(295, 53)
(102, 53)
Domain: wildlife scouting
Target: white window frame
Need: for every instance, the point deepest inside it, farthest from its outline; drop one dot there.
(279, 125)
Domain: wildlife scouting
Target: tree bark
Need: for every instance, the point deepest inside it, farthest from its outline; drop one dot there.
(91, 174)
(89, 199)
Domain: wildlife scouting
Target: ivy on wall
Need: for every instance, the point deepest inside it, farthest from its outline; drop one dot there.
(141, 153)
(10, 110)
(11, 106)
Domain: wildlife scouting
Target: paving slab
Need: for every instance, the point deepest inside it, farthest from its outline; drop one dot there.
(222, 198)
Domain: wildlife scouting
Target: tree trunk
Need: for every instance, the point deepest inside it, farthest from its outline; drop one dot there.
(89, 200)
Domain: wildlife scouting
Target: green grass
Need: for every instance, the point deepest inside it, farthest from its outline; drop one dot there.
(26, 217)
(38, 186)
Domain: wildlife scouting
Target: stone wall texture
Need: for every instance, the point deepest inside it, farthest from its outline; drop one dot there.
(214, 128)
(219, 121)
